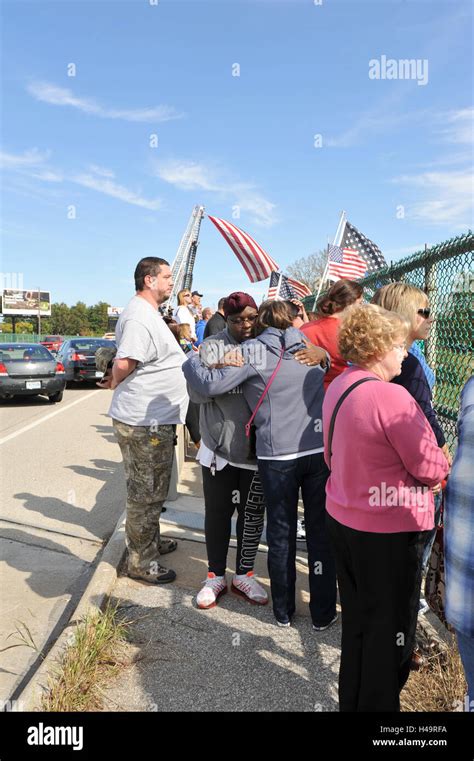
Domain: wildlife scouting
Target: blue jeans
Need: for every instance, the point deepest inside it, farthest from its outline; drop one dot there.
(281, 482)
(466, 651)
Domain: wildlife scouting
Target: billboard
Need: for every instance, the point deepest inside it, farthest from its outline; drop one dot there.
(114, 311)
(15, 301)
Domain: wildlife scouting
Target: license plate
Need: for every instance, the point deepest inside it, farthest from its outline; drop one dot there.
(98, 374)
(33, 384)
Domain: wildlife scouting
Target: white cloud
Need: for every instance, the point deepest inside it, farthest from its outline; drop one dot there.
(27, 159)
(458, 126)
(60, 96)
(101, 170)
(448, 197)
(189, 175)
(31, 165)
(110, 188)
(48, 175)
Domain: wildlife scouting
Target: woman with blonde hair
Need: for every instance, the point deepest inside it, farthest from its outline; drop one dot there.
(384, 459)
(416, 376)
(183, 314)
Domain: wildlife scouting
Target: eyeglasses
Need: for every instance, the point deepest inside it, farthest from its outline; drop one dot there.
(424, 313)
(241, 320)
(401, 347)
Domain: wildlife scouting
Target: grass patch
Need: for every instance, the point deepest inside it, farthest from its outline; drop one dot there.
(439, 685)
(96, 653)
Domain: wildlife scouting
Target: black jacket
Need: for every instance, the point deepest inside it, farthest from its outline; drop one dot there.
(215, 325)
(413, 378)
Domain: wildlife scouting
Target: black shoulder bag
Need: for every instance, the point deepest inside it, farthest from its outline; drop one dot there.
(336, 410)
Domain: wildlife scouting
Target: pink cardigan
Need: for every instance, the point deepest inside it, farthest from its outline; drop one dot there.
(384, 457)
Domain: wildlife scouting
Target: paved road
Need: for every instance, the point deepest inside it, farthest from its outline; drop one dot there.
(62, 493)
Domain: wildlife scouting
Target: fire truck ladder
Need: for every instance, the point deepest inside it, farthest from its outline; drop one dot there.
(183, 264)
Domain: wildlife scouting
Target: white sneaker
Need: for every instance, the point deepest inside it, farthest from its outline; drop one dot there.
(246, 585)
(213, 588)
(323, 628)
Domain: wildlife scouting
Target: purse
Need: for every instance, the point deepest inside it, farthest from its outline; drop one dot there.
(435, 584)
(250, 430)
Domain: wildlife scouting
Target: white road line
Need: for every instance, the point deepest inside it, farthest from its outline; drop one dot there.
(48, 417)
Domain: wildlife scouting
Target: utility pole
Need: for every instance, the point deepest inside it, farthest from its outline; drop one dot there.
(39, 315)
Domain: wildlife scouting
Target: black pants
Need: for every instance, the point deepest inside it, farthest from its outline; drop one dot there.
(228, 489)
(379, 579)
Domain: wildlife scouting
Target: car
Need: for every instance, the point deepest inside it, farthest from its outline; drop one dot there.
(29, 369)
(109, 336)
(53, 343)
(77, 355)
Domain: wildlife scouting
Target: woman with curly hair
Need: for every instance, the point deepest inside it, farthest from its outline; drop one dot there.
(384, 460)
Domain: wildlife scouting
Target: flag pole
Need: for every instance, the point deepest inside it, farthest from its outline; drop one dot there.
(336, 242)
(277, 292)
(323, 276)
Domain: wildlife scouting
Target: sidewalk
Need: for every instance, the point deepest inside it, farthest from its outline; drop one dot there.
(230, 658)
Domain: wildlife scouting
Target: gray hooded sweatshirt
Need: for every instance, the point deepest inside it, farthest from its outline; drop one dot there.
(289, 420)
(223, 416)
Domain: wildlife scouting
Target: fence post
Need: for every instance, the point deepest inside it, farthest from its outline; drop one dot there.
(430, 290)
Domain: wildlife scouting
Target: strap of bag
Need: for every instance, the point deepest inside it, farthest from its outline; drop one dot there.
(249, 423)
(336, 410)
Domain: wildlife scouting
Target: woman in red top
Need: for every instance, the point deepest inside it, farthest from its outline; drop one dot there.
(325, 330)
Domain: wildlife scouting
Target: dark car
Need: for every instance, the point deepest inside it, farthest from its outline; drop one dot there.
(78, 357)
(28, 369)
(53, 343)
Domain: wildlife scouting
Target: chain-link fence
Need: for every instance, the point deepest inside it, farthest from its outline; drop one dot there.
(446, 273)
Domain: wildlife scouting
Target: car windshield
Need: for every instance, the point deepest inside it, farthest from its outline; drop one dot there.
(90, 344)
(52, 338)
(24, 353)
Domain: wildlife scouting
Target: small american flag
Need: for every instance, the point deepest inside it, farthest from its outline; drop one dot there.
(289, 288)
(256, 262)
(344, 262)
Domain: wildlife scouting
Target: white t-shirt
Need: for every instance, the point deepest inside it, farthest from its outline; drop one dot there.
(184, 315)
(205, 456)
(155, 393)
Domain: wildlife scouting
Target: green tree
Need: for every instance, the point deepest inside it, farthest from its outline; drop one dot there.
(97, 315)
(60, 319)
(79, 320)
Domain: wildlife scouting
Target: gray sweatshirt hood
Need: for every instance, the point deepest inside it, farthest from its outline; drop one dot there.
(274, 338)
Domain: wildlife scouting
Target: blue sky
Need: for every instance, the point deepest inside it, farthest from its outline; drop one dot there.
(166, 69)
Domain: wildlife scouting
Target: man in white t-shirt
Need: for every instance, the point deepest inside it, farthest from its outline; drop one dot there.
(149, 399)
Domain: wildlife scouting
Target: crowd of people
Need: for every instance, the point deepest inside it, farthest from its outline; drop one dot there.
(335, 407)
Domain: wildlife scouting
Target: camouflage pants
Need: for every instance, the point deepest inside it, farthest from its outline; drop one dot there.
(147, 453)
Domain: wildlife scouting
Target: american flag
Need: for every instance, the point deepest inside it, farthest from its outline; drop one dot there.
(344, 262)
(355, 256)
(256, 262)
(289, 288)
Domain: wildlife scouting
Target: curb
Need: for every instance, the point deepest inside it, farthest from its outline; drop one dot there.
(94, 596)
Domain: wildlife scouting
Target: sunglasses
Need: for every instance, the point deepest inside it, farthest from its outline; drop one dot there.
(241, 320)
(424, 313)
